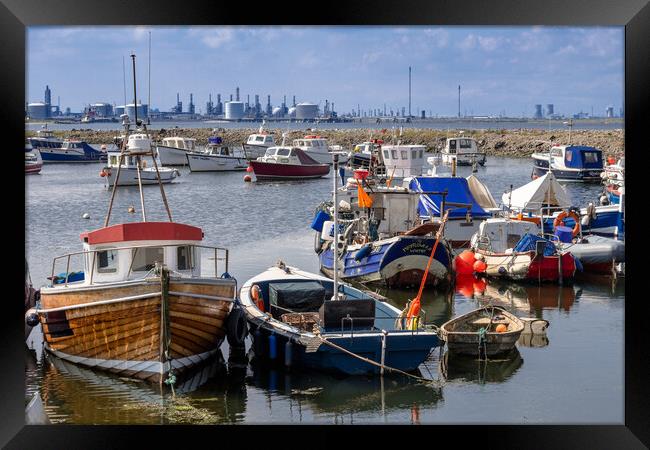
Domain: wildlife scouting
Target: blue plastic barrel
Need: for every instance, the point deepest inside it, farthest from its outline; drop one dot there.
(273, 348)
(564, 234)
(319, 220)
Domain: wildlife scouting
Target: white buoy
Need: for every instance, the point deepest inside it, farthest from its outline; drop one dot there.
(85, 216)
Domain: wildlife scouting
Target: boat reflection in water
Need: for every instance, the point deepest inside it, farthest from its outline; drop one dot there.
(530, 298)
(74, 394)
(329, 395)
(469, 368)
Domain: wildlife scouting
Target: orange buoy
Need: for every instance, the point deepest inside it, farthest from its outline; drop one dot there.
(479, 266)
(256, 295)
(102, 174)
(249, 168)
(501, 328)
(479, 286)
(465, 262)
(611, 160)
(465, 285)
(248, 178)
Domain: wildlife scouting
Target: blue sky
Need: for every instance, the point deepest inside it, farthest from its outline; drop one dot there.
(501, 69)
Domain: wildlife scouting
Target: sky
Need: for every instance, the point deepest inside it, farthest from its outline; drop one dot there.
(501, 70)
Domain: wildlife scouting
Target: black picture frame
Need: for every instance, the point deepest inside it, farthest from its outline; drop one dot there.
(15, 15)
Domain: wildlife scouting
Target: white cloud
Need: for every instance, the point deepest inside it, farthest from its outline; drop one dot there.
(468, 43)
(212, 37)
(438, 36)
(489, 43)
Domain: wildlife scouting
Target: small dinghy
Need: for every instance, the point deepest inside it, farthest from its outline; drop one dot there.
(483, 332)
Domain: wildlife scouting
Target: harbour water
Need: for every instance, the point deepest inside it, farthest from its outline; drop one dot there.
(574, 377)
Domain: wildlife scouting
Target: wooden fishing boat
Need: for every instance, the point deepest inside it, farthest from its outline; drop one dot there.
(136, 301)
(475, 333)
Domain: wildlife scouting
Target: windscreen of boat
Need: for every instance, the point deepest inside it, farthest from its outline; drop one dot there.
(283, 152)
(270, 152)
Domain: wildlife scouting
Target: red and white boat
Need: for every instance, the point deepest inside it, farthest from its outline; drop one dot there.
(33, 161)
(512, 250)
(287, 163)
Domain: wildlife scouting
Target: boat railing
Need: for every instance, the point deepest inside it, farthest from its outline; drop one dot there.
(219, 254)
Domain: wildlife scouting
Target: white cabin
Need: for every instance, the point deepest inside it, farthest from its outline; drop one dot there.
(464, 150)
(498, 235)
(188, 144)
(264, 140)
(403, 161)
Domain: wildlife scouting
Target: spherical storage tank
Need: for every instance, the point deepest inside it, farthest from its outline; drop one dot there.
(38, 111)
(277, 111)
(234, 110)
(292, 112)
(306, 111)
(143, 110)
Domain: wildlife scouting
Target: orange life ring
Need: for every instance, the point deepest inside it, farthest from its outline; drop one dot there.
(563, 215)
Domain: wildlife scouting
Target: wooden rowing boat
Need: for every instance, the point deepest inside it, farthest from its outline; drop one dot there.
(475, 333)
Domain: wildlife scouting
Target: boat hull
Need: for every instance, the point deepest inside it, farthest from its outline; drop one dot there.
(210, 163)
(129, 176)
(264, 170)
(524, 266)
(585, 175)
(59, 155)
(397, 262)
(33, 168)
(126, 337)
(171, 156)
(464, 159)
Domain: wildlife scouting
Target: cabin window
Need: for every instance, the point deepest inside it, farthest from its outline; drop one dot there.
(394, 154)
(591, 157)
(283, 152)
(405, 154)
(190, 145)
(569, 155)
(114, 160)
(259, 138)
(184, 258)
(414, 154)
(386, 155)
(308, 144)
(268, 139)
(512, 240)
(145, 258)
(556, 152)
(420, 154)
(465, 143)
(107, 261)
(452, 145)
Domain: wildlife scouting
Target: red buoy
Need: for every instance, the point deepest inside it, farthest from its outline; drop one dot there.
(479, 266)
(465, 262)
(249, 168)
(102, 174)
(248, 178)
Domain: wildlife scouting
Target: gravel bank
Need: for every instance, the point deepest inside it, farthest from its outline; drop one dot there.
(519, 143)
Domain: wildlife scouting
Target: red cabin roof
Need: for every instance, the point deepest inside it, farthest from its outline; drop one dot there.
(143, 231)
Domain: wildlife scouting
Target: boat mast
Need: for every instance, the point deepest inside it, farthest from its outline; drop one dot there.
(149, 82)
(335, 296)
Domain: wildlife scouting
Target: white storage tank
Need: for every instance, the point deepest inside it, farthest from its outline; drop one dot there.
(38, 110)
(143, 111)
(277, 111)
(292, 112)
(104, 109)
(306, 111)
(234, 110)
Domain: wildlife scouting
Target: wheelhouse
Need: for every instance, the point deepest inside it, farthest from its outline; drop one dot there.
(261, 139)
(182, 143)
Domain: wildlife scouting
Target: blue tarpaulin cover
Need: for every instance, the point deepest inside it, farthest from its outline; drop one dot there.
(528, 242)
(457, 191)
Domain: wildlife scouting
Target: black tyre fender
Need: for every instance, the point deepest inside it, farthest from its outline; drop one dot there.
(237, 327)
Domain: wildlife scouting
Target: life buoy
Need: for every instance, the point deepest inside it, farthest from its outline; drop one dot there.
(256, 295)
(563, 215)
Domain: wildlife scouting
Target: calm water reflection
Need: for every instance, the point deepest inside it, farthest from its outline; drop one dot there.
(575, 376)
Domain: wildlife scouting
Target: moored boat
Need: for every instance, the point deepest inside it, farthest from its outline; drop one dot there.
(133, 169)
(295, 319)
(172, 151)
(71, 151)
(288, 163)
(486, 332)
(317, 148)
(138, 300)
(33, 161)
(463, 151)
(257, 144)
(569, 163)
(44, 139)
(216, 158)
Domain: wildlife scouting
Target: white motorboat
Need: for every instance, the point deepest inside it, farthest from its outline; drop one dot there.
(569, 163)
(216, 158)
(172, 150)
(463, 150)
(132, 165)
(316, 147)
(257, 144)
